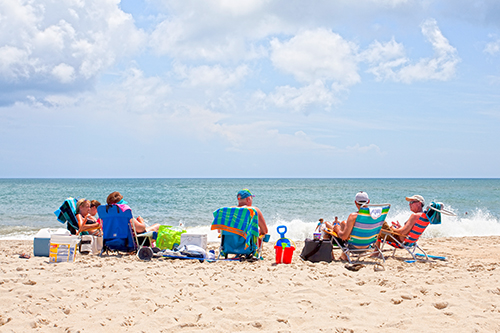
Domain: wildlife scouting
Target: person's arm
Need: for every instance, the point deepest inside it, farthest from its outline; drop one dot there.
(83, 226)
(262, 223)
(344, 230)
(405, 229)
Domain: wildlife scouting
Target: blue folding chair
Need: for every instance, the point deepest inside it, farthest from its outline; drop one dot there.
(119, 232)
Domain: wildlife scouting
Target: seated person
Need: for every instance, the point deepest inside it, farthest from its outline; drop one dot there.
(116, 198)
(245, 199)
(326, 228)
(399, 232)
(87, 224)
(344, 228)
(93, 210)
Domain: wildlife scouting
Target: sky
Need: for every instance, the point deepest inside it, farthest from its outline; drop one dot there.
(249, 88)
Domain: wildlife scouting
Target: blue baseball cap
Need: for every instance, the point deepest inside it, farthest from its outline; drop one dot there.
(245, 193)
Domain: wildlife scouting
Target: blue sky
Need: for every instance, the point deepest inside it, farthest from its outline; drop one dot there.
(249, 88)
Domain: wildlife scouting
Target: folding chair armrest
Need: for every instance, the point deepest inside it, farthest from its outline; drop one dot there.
(389, 233)
(149, 234)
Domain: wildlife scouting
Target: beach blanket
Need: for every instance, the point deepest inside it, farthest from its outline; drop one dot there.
(242, 221)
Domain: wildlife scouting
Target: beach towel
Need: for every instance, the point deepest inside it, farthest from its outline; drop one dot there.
(242, 221)
(434, 215)
(67, 214)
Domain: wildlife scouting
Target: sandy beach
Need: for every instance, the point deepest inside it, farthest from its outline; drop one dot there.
(122, 293)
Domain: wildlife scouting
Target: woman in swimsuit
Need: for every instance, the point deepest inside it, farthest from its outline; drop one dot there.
(86, 222)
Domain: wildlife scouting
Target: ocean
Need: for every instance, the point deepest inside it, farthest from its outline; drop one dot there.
(27, 205)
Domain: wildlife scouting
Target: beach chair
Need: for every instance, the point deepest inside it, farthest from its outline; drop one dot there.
(432, 215)
(119, 233)
(364, 234)
(239, 227)
(67, 214)
(410, 242)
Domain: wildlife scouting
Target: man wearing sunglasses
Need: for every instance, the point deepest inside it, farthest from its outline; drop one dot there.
(416, 203)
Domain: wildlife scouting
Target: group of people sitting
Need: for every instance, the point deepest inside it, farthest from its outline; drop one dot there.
(342, 229)
(88, 223)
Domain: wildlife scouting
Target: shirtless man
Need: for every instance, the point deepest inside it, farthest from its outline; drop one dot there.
(344, 229)
(245, 199)
(417, 203)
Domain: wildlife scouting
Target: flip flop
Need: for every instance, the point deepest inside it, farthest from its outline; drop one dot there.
(355, 267)
(24, 256)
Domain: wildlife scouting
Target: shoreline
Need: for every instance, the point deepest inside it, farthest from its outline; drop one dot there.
(97, 294)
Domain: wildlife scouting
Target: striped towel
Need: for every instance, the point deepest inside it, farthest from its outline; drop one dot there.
(433, 215)
(67, 214)
(368, 225)
(242, 221)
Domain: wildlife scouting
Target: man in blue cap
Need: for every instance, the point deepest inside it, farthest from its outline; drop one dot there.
(245, 199)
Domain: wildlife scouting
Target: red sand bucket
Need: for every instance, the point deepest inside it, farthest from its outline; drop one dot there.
(284, 254)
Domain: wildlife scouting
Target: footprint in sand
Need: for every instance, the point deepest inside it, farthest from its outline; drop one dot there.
(440, 305)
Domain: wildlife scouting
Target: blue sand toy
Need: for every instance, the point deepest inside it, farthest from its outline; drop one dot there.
(283, 241)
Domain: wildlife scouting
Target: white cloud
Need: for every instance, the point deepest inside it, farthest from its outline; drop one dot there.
(141, 94)
(364, 149)
(388, 60)
(492, 48)
(211, 76)
(64, 73)
(216, 30)
(301, 98)
(317, 55)
(266, 138)
(66, 41)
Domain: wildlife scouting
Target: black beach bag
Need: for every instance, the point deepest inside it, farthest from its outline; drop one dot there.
(317, 250)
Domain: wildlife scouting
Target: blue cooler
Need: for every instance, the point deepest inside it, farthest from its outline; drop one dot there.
(41, 242)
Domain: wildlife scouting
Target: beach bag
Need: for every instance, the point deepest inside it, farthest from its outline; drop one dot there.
(317, 250)
(90, 244)
(168, 238)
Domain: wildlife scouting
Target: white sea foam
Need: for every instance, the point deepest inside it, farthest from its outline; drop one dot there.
(475, 223)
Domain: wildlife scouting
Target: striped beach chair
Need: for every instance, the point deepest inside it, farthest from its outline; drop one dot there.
(410, 242)
(239, 228)
(362, 241)
(431, 216)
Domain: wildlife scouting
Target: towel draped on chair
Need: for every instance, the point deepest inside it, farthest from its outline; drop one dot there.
(242, 221)
(67, 214)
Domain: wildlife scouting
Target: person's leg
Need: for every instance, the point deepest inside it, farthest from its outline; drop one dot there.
(139, 224)
(154, 227)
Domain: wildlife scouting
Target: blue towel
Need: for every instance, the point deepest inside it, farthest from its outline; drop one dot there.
(433, 215)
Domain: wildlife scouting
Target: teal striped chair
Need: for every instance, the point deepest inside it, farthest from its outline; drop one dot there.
(364, 234)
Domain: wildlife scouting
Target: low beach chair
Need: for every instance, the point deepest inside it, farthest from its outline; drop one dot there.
(239, 227)
(67, 214)
(362, 241)
(432, 215)
(119, 232)
(410, 242)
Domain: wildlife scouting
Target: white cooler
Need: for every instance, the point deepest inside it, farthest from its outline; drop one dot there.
(194, 239)
(41, 243)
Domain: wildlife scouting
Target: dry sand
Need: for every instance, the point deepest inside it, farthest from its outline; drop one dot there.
(122, 293)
